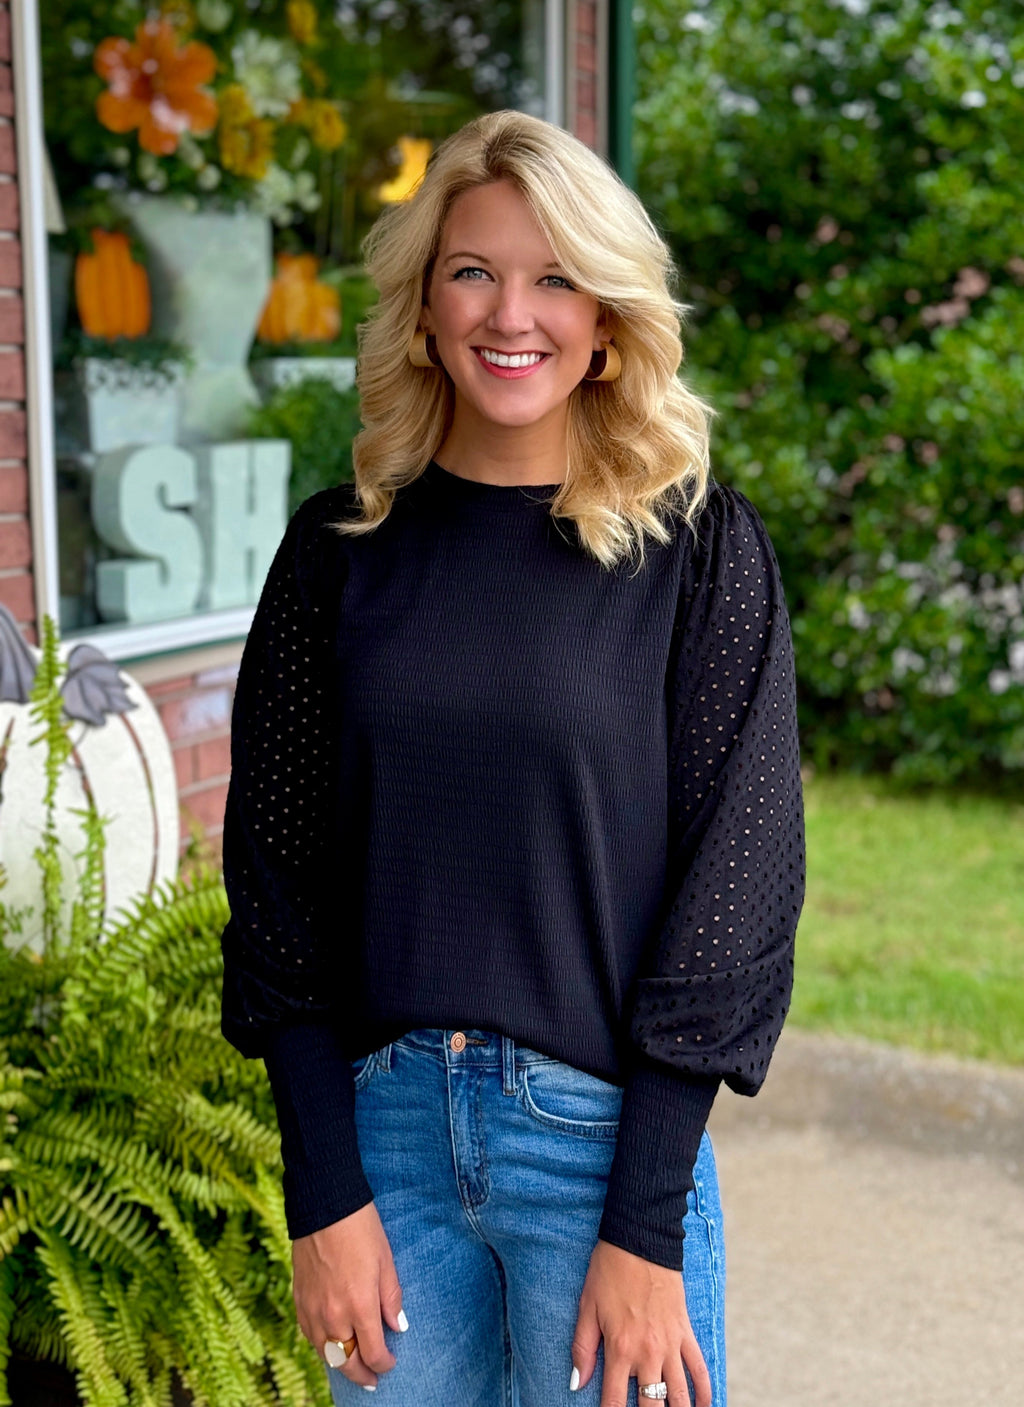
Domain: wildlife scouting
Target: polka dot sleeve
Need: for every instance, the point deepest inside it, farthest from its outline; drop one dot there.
(714, 988)
(278, 819)
(283, 947)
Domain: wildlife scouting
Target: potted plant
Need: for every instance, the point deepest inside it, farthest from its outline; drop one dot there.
(116, 382)
(320, 423)
(299, 332)
(143, 1247)
(205, 122)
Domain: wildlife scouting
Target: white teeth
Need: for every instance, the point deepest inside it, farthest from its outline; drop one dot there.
(519, 359)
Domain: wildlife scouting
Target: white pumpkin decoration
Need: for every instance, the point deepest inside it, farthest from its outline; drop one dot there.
(121, 759)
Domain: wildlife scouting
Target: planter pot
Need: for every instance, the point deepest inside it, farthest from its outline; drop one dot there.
(104, 404)
(209, 274)
(273, 373)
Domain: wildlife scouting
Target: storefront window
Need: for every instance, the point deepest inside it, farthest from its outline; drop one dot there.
(212, 167)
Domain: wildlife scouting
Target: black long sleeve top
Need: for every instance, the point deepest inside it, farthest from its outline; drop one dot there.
(480, 780)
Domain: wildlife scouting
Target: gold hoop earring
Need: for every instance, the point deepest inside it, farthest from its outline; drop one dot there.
(605, 365)
(423, 350)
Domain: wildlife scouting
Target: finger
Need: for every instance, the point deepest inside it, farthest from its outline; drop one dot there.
(678, 1387)
(334, 1348)
(357, 1371)
(391, 1298)
(585, 1343)
(652, 1372)
(698, 1371)
(373, 1351)
(615, 1383)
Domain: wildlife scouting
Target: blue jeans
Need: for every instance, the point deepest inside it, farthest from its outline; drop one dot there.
(489, 1165)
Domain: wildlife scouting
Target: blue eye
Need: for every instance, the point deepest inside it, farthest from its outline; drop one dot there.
(558, 281)
(470, 272)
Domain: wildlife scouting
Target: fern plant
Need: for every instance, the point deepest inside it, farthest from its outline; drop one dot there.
(142, 1233)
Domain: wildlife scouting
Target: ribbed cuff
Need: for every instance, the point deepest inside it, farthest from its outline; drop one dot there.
(313, 1091)
(660, 1128)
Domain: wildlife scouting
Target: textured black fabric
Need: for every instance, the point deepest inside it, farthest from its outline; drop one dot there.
(479, 780)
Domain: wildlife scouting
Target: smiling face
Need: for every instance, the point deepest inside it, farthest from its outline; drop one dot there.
(514, 335)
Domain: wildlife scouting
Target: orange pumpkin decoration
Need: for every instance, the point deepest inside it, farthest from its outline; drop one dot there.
(299, 308)
(111, 288)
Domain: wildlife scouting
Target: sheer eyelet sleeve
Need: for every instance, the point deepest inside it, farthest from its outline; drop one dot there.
(714, 988)
(284, 946)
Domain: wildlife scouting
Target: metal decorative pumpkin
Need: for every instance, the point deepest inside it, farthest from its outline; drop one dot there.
(120, 760)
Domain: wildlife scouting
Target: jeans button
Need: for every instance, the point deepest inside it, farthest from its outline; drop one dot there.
(458, 1042)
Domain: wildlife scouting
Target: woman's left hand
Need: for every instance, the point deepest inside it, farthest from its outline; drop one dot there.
(639, 1309)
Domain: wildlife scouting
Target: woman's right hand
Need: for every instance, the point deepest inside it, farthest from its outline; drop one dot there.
(345, 1283)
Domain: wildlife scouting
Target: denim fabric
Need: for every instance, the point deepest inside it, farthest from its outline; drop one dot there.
(489, 1166)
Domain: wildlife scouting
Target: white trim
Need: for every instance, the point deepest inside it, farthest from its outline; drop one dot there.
(35, 294)
(554, 61)
(139, 641)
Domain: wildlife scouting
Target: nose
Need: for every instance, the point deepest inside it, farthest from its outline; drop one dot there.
(511, 312)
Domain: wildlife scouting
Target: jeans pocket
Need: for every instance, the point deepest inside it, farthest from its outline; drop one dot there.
(563, 1098)
(363, 1068)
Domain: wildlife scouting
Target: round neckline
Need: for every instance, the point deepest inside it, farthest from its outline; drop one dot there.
(475, 491)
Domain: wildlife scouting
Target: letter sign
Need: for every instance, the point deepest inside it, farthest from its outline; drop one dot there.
(199, 527)
(243, 490)
(138, 494)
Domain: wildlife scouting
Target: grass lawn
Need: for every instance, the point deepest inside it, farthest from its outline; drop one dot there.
(913, 929)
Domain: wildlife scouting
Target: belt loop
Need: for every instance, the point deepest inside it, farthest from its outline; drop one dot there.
(508, 1064)
(385, 1059)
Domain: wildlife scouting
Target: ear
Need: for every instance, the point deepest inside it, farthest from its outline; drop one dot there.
(603, 332)
(426, 321)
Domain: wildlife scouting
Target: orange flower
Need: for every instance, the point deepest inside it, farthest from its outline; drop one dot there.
(155, 86)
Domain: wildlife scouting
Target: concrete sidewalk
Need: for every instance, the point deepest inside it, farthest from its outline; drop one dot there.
(874, 1204)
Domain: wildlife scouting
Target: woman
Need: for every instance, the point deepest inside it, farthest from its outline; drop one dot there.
(514, 841)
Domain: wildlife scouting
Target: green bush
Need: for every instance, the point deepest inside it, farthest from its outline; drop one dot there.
(142, 1234)
(321, 422)
(841, 186)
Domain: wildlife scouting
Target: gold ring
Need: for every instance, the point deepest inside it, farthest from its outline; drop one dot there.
(337, 1352)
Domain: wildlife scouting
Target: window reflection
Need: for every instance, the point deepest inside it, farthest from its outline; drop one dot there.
(215, 165)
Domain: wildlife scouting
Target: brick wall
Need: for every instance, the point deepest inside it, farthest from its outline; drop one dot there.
(195, 709)
(15, 542)
(584, 57)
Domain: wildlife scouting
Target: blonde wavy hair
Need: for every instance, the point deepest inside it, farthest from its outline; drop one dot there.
(637, 447)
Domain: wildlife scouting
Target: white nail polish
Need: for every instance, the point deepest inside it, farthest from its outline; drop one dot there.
(574, 1381)
(403, 1323)
(369, 1387)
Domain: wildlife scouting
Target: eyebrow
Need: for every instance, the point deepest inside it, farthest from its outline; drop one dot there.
(482, 258)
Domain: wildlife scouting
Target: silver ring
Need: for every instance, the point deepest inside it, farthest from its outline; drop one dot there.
(655, 1390)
